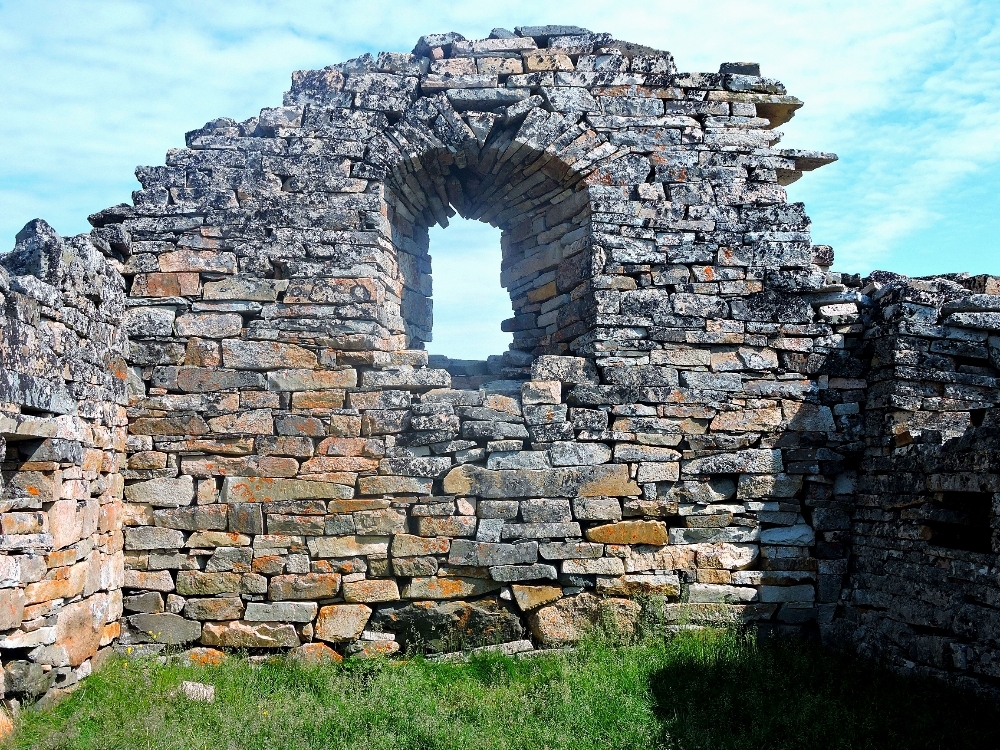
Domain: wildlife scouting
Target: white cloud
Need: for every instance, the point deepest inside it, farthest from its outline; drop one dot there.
(904, 90)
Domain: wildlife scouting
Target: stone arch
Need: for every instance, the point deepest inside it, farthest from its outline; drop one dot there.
(512, 173)
(699, 411)
(278, 313)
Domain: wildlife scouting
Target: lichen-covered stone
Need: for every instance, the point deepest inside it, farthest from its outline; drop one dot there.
(685, 368)
(241, 634)
(450, 626)
(338, 623)
(571, 618)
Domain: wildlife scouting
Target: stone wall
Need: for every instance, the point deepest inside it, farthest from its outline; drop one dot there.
(695, 408)
(62, 443)
(298, 471)
(922, 587)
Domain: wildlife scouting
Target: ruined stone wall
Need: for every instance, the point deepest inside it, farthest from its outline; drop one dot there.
(695, 407)
(921, 589)
(297, 471)
(62, 444)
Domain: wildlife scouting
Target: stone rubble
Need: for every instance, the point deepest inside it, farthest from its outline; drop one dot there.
(695, 408)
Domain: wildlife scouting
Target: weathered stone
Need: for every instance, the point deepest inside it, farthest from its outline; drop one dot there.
(281, 612)
(260, 490)
(727, 556)
(752, 461)
(195, 583)
(602, 566)
(447, 526)
(348, 546)
(199, 518)
(308, 586)
(586, 481)
(386, 485)
(407, 545)
(150, 537)
(265, 355)
(149, 601)
(799, 535)
(166, 628)
(570, 370)
(482, 554)
(629, 532)
(209, 325)
(371, 590)
(441, 587)
(227, 608)
(342, 622)
(535, 572)
(570, 619)
(198, 691)
(450, 626)
(241, 634)
(579, 454)
(546, 511)
(312, 654)
(162, 493)
(11, 608)
(529, 598)
(640, 585)
(597, 509)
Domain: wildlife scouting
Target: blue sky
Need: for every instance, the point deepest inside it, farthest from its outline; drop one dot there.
(907, 92)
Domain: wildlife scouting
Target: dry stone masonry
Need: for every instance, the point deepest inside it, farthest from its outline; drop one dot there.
(695, 411)
(62, 441)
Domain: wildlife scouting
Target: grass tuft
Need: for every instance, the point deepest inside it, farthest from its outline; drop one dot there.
(716, 689)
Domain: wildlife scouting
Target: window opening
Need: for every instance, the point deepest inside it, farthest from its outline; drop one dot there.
(469, 303)
(961, 521)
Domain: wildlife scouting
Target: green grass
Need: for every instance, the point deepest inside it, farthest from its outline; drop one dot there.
(707, 689)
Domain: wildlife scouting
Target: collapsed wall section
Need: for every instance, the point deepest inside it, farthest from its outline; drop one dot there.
(62, 444)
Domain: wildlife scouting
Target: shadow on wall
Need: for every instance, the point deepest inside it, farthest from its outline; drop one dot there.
(921, 589)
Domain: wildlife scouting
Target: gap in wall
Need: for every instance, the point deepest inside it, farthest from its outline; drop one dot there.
(469, 303)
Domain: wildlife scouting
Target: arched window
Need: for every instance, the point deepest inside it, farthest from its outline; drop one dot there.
(469, 302)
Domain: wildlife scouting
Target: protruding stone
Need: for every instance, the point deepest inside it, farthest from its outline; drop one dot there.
(242, 634)
(338, 623)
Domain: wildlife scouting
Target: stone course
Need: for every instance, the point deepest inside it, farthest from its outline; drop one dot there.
(694, 406)
(62, 446)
